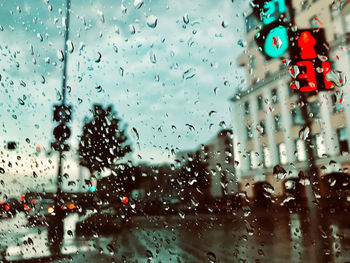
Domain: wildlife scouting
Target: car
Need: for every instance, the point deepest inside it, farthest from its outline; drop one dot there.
(10, 208)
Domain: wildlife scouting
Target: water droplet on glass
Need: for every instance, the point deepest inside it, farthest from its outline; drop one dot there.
(20, 101)
(98, 59)
(138, 4)
(152, 21)
(149, 254)
(60, 55)
(40, 37)
(211, 257)
(189, 73)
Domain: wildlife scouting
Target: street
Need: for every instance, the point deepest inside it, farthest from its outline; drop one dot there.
(194, 238)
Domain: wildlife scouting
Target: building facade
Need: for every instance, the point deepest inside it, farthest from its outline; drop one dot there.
(268, 125)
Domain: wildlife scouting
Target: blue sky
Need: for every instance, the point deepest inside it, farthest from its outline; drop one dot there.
(158, 79)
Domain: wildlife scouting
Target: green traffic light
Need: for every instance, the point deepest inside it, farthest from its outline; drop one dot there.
(276, 42)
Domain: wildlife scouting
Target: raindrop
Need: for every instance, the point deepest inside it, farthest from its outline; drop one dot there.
(136, 133)
(1, 28)
(42, 79)
(279, 170)
(241, 43)
(153, 58)
(152, 21)
(20, 101)
(191, 127)
(60, 55)
(149, 254)
(98, 88)
(211, 257)
(132, 29)
(40, 37)
(70, 233)
(80, 100)
(71, 183)
(2, 170)
(138, 4)
(189, 73)
(70, 46)
(222, 124)
(110, 249)
(185, 19)
(211, 113)
(181, 214)
(115, 48)
(98, 60)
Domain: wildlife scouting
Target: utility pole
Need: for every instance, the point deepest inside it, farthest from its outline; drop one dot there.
(62, 114)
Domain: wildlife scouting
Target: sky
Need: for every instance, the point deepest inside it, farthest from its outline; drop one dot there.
(161, 77)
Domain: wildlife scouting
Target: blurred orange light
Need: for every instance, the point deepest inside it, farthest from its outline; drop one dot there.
(38, 147)
(71, 206)
(50, 210)
(22, 197)
(7, 207)
(34, 201)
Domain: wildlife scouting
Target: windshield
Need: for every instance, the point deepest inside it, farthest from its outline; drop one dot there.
(174, 131)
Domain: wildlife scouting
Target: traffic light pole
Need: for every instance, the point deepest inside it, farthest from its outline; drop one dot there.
(313, 192)
(56, 225)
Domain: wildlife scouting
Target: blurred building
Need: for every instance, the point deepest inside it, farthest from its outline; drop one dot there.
(217, 154)
(267, 119)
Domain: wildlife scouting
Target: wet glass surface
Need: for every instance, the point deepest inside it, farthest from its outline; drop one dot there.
(174, 131)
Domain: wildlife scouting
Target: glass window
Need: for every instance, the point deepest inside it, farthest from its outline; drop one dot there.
(249, 131)
(267, 156)
(260, 102)
(262, 127)
(319, 146)
(274, 96)
(297, 118)
(246, 108)
(251, 22)
(337, 103)
(278, 122)
(314, 109)
(282, 150)
(343, 140)
(300, 150)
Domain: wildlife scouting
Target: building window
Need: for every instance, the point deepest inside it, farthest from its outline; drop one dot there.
(282, 152)
(251, 22)
(314, 108)
(300, 150)
(260, 102)
(274, 96)
(297, 118)
(249, 131)
(249, 159)
(254, 160)
(343, 141)
(319, 148)
(261, 127)
(246, 108)
(278, 122)
(267, 157)
(337, 104)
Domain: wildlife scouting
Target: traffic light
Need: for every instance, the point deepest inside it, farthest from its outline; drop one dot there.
(273, 37)
(309, 61)
(62, 114)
